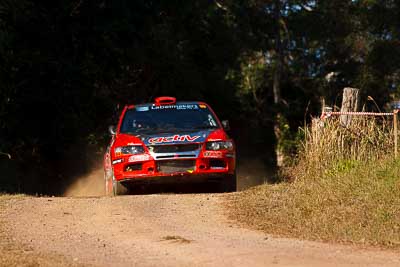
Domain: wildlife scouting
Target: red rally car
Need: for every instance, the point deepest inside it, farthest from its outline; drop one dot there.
(168, 141)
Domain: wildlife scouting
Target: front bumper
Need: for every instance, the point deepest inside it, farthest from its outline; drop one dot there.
(174, 170)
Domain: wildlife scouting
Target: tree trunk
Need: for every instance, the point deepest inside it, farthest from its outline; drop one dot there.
(277, 81)
(278, 54)
(350, 103)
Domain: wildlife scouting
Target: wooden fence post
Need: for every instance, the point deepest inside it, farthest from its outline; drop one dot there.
(350, 103)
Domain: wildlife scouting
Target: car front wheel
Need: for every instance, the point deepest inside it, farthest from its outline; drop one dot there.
(118, 188)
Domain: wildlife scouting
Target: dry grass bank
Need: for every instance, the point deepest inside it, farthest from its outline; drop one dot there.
(346, 189)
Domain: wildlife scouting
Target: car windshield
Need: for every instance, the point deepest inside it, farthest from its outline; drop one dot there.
(188, 117)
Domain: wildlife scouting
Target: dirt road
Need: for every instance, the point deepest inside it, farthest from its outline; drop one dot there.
(160, 230)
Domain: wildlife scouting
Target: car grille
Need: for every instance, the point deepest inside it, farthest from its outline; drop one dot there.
(174, 148)
(172, 166)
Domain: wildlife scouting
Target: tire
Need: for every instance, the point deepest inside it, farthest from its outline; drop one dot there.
(108, 184)
(228, 184)
(118, 188)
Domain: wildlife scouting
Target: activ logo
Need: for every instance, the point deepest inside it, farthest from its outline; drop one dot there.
(174, 138)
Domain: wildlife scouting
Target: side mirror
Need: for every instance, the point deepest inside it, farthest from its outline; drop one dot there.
(225, 125)
(111, 129)
(5, 154)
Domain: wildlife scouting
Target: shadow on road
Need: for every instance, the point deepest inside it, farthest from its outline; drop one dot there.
(187, 188)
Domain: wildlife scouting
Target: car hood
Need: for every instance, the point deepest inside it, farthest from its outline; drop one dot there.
(172, 137)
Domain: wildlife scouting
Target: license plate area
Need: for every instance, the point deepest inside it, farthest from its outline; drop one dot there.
(173, 166)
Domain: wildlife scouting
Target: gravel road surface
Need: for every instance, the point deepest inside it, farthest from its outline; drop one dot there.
(158, 230)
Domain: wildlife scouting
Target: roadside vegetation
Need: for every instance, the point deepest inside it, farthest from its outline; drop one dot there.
(69, 67)
(344, 187)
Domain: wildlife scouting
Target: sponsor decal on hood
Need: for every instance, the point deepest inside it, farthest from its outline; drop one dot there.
(175, 138)
(164, 139)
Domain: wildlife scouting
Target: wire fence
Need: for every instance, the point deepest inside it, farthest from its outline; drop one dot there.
(348, 117)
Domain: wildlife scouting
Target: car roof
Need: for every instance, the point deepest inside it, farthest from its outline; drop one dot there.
(175, 104)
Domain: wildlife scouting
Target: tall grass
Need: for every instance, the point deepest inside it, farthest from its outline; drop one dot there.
(346, 188)
(328, 143)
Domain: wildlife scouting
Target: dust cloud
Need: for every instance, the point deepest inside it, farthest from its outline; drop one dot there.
(89, 185)
(252, 172)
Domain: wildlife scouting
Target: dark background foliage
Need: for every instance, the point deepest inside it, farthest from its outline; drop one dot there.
(66, 66)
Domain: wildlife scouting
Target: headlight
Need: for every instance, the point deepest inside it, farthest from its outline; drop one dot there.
(220, 145)
(129, 150)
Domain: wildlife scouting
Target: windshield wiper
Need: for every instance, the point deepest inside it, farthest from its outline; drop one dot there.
(139, 131)
(168, 129)
(205, 127)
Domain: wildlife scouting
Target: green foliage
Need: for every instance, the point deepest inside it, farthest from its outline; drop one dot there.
(65, 65)
(288, 142)
(341, 166)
